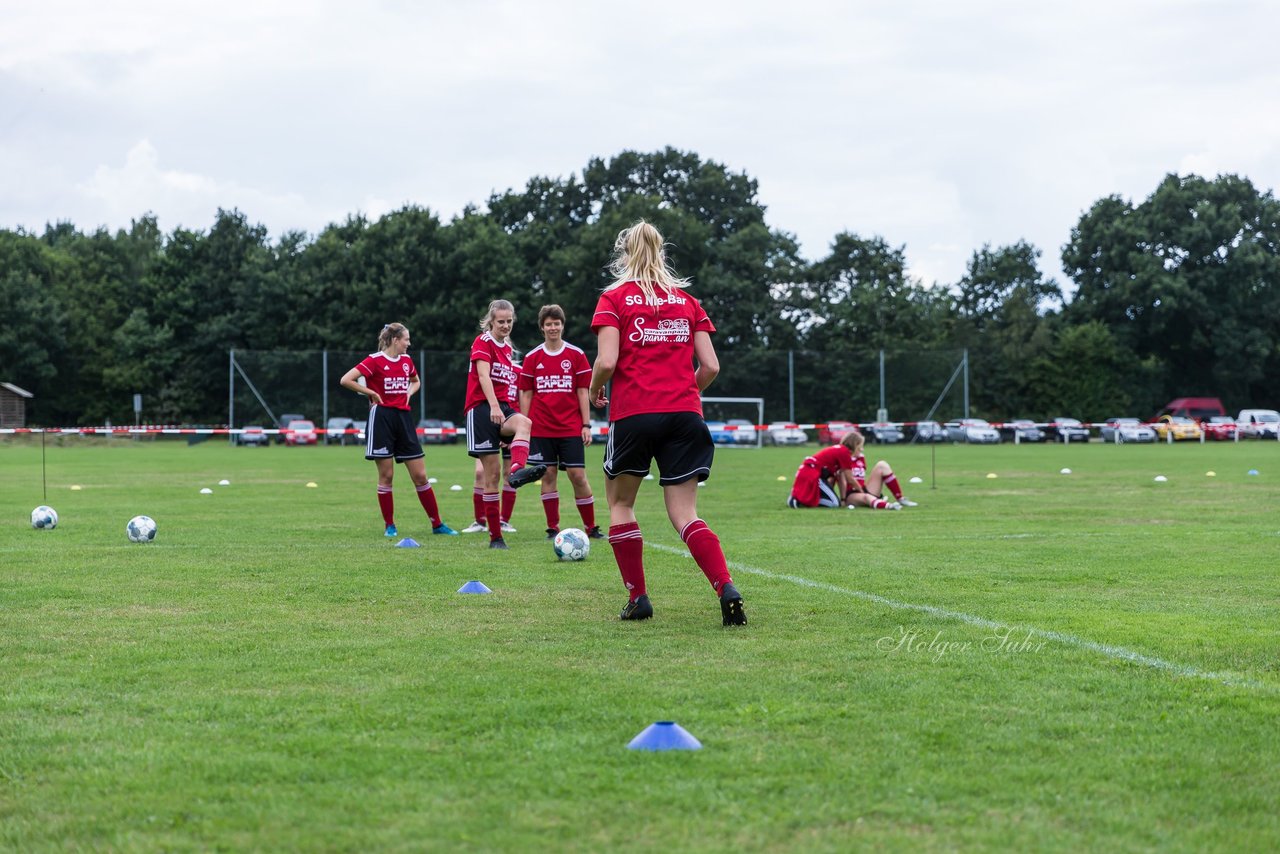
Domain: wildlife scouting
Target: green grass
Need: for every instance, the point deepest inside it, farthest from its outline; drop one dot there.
(271, 674)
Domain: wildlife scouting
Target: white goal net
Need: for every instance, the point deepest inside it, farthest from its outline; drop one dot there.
(734, 421)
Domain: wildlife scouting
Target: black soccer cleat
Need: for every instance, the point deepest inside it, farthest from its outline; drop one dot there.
(638, 609)
(731, 606)
(528, 474)
(499, 544)
(551, 533)
(596, 534)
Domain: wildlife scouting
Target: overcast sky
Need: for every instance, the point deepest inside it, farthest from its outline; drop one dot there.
(938, 126)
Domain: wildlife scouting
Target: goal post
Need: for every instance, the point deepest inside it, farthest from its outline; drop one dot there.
(729, 409)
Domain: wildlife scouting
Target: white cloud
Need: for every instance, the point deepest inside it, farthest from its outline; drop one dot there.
(938, 126)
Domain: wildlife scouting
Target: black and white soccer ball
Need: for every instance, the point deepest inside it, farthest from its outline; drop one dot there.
(44, 518)
(571, 544)
(141, 529)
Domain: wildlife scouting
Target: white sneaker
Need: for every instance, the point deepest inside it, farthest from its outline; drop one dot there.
(907, 502)
(475, 528)
(893, 505)
(508, 528)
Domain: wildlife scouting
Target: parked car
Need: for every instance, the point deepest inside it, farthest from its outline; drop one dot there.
(1183, 429)
(1258, 424)
(929, 431)
(1126, 430)
(1219, 428)
(782, 433)
(1022, 430)
(883, 433)
(335, 432)
(1067, 430)
(745, 434)
(1198, 408)
(833, 431)
(972, 430)
(719, 435)
(283, 425)
(300, 433)
(436, 438)
(253, 435)
(360, 427)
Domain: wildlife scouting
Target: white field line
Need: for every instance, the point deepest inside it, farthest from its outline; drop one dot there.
(1108, 650)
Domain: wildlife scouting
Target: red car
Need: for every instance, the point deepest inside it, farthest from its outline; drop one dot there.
(834, 431)
(300, 433)
(1219, 428)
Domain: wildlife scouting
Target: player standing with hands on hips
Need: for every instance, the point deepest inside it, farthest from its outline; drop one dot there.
(553, 394)
(390, 380)
(649, 332)
(491, 415)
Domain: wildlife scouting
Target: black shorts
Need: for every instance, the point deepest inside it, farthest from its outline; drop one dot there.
(563, 453)
(390, 433)
(679, 441)
(484, 438)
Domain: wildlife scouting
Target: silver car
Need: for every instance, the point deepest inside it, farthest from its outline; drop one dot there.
(782, 433)
(1126, 430)
(974, 431)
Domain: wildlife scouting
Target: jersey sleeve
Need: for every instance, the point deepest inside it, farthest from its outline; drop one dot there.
(606, 313)
(581, 372)
(844, 458)
(525, 380)
(366, 366)
(481, 351)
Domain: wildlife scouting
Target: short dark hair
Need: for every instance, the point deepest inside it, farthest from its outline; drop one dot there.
(552, 310)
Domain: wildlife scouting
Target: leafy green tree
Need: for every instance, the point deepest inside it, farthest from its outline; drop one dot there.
(1191, 278)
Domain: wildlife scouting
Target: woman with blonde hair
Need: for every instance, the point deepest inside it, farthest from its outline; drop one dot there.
(491, 414)
(390, 379)
(649, 332)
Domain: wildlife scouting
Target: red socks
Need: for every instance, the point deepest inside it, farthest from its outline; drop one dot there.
(519, 454)
(387, 505)
(628, 551)
(477, 504)
(587, 509)
(491, 515)
(704, 545)
(551, 506)
(892, 482)
(427, 496)
(508, 502)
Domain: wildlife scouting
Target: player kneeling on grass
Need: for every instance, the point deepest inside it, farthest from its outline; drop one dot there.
(829, 479)
(874, 481)
(390, 379)
(649, 332)
(553, 394)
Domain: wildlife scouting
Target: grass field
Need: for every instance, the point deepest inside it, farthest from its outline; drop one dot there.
(1036, 661)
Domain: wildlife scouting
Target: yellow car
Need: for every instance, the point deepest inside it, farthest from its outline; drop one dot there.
(1182, 428)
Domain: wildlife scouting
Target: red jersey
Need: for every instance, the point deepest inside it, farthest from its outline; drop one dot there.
(655, 349)
(501, 371)
(859, 468)
(389, 377)
(554, 379)
(837, 457)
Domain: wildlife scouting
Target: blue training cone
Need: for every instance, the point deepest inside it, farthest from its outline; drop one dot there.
(1253, 472)
(408, 543)
(474, 587)
(664, 735)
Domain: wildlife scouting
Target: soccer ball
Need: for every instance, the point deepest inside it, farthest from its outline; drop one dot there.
(44, 518)
(141, 529)
(571, 544)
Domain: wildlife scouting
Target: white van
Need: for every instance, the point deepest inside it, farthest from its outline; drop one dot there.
(1259, 424)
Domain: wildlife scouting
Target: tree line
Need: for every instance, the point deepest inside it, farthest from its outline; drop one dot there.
(1175, 295)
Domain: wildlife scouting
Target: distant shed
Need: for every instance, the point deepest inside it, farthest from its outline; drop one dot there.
(13, 405)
